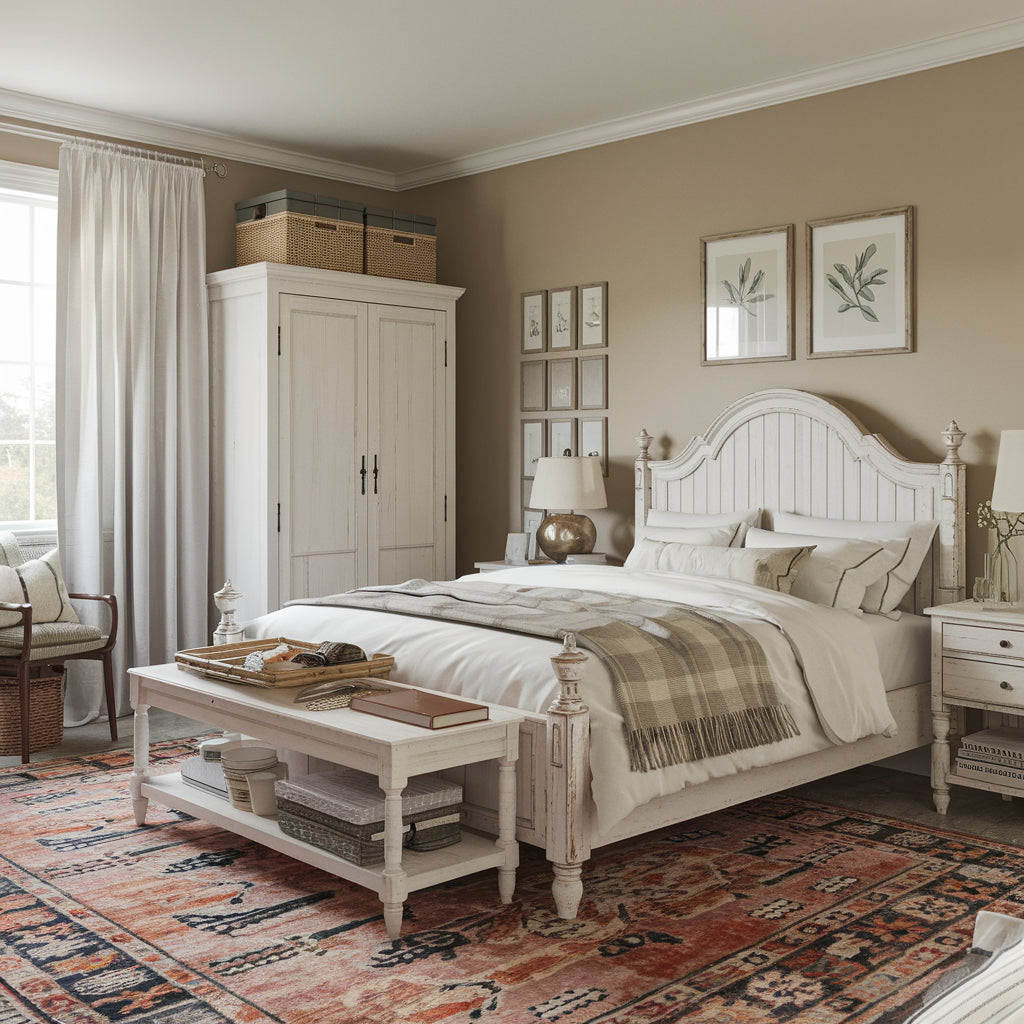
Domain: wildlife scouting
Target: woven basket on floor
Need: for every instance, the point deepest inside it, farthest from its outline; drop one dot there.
(46, 715)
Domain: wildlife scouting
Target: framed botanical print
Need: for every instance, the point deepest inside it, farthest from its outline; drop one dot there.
(861, 272)
(594, 439)
(534, 324)
(593, 382)
(533, 447)
(562, 436)
(562, 384)
(594, 315)
(747, 284)
(562, 319)
(533, 385)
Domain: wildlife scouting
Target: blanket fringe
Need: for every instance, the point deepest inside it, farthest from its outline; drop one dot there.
(656, 746)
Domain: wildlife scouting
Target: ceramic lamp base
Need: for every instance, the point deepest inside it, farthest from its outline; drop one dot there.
(564, 534)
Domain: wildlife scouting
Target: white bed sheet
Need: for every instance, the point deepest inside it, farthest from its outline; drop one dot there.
(904, 648)
(515, 670)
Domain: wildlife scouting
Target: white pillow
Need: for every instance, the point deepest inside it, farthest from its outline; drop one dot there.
(740, 521)
(885, 595)
(839, 571)
(46, 591)
(774, 569)
(712, 536)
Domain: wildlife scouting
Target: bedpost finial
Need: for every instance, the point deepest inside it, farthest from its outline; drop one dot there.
(643, 440)
(952, 438)
(569, 664)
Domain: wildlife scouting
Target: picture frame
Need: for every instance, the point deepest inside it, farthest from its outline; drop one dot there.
(593, 382)
(562, 436)
(533, 446)
(746, 280)
(860, 270)
(531, 524)
(561, 319)
(561, 384)
(593, 315)
(594, 439)
(534, 331)
(533, 385)
(527, 491)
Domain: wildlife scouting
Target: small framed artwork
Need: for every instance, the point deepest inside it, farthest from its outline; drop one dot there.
(593, 382)
(594, 439)
(562, 319)
(535, 335)
(531, 524)
(562, 384)
(527, 492)
(562, 437)
(533, 385)
(533, 447)
(747, 284)
(861, 272)
(594, 315)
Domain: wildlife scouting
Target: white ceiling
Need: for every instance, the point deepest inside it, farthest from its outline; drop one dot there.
(398, 93)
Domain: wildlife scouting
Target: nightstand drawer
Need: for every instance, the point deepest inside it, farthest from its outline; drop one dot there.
(985, 682)
(1007, 643)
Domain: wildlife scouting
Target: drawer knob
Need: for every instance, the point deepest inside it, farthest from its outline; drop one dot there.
(1005, 685)
(1005, 643)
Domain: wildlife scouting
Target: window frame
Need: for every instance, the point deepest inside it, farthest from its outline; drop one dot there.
(40, 181)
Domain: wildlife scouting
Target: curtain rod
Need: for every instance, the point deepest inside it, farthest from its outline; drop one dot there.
(39, 133)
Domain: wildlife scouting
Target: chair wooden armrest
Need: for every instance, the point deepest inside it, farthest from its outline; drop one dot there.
(25, 624)
(111, 602)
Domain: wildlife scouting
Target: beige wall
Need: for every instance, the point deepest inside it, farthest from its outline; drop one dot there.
(632, 213)
(946, 141)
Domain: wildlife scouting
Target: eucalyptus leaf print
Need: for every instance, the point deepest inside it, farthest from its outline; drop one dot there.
(748, 290)
(857, 289)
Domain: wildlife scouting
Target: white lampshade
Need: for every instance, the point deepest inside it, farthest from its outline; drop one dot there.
(1008, 490)
(568, 482)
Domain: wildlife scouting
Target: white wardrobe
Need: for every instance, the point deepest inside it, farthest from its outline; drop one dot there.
(333, 432)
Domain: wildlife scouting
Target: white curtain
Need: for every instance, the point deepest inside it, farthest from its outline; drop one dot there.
(132, 404)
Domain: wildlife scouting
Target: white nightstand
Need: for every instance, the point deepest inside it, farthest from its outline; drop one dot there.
(977, 662)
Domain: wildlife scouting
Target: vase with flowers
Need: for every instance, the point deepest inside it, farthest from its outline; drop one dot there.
(1001, 564)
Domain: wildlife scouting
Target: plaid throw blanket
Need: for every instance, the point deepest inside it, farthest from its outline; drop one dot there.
(689, 684)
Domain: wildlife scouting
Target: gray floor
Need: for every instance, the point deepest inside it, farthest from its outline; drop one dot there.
(876, 789)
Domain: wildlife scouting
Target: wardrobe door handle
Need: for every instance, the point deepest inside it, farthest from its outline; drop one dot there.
(375, 474)
(362, 474)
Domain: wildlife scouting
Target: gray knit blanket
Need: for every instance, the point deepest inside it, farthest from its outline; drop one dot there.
(689, 684)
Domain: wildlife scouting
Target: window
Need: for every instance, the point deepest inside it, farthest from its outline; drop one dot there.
(28, 321)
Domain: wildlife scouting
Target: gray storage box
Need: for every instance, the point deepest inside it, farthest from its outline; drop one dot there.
(343, 812)
(287, 200)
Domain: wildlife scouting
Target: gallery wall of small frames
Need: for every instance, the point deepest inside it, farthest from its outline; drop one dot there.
(563, 379)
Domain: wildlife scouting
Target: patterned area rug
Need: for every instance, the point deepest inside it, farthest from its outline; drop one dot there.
(779, 910)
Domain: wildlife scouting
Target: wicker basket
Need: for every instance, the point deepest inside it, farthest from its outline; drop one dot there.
(46, 715)
(302, 241)
(402, 255)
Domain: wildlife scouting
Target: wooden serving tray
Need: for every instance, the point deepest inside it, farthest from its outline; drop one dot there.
(225, 661)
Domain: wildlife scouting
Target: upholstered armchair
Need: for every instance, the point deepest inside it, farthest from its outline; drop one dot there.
(41, 632)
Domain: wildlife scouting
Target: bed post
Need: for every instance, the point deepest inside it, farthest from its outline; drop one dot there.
(952, 567)
(568, 782)
(642, 484)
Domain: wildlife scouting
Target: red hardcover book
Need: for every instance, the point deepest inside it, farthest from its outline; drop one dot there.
(429, 710)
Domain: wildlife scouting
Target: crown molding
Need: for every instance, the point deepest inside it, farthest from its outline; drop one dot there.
(72, 117)
(1006, 35)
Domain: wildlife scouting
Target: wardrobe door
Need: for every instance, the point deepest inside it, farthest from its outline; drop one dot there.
(322, 402)
(407, 447)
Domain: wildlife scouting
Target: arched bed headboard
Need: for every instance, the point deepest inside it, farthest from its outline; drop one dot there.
(791, 451)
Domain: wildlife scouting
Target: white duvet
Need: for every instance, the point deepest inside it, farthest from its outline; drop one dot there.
(824, 662)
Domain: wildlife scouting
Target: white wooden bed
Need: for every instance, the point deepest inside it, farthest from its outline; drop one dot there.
(783, 451)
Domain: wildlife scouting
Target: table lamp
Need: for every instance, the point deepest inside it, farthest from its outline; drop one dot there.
(567, 482)
(1008, 498)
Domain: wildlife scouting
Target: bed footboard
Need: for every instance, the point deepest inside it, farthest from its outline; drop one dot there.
(568, 774)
